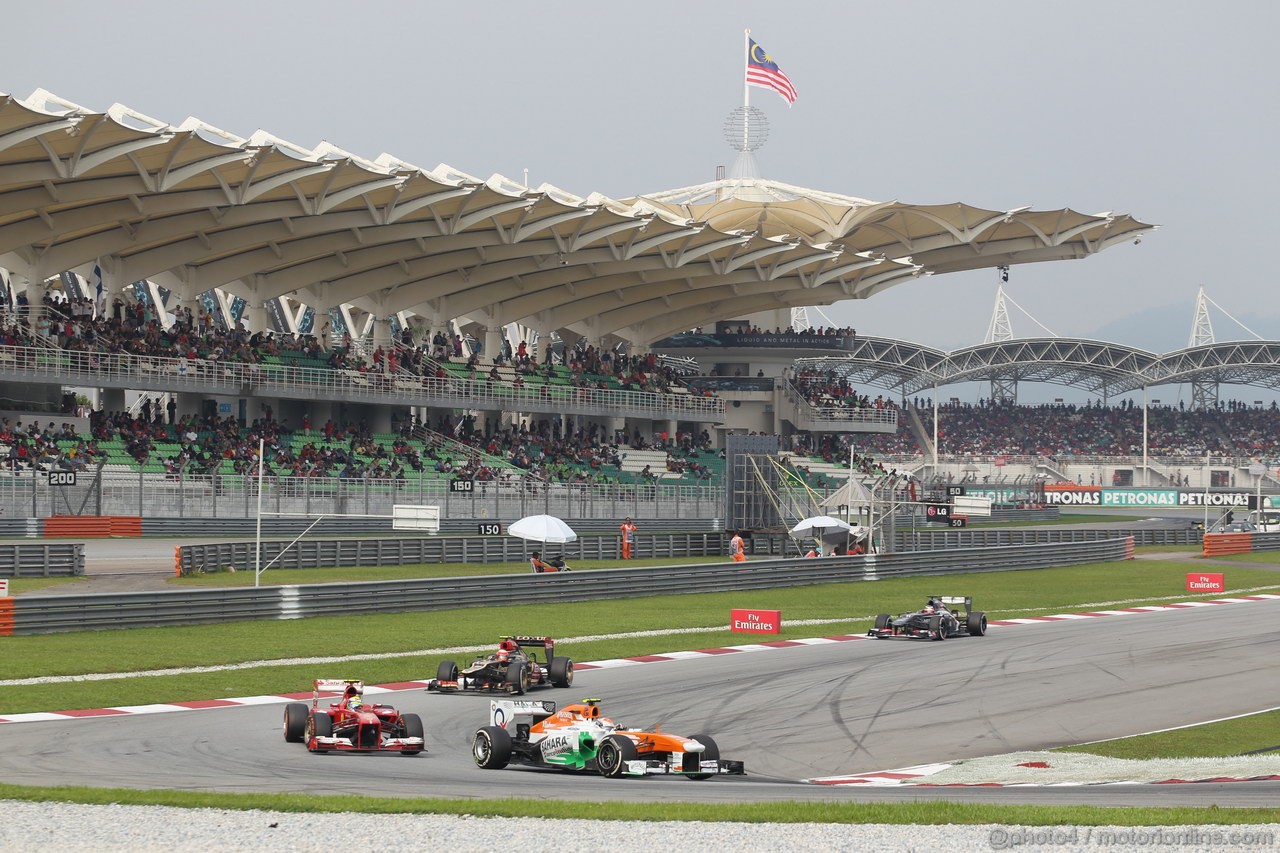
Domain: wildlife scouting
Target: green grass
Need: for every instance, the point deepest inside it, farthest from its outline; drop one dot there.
(1254, 733)
(932, 813)
(1272, 557)
(20, 586)
(1002, 594)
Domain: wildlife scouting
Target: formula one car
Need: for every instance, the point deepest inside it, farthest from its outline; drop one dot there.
(578, 738)
(513, 668)
(351, 724)
(937, 620)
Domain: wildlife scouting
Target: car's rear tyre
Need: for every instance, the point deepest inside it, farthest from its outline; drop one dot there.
(613, 755)
(447, 671)
(883, 620)
(319, 724)
(295, 722)
(977, 624)
(936, 628)
(491, 748)
(561, 672)
(709, 753)
(517, 679)
(413, 728)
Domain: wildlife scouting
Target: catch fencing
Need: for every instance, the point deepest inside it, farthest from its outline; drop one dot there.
(47, 614)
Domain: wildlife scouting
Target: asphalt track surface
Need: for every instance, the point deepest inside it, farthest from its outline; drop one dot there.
(790, 713)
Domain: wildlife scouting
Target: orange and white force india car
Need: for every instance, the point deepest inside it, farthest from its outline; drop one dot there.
(577, 737)
(351, 724)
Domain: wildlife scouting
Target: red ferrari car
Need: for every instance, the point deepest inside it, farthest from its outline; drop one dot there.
(351, 724)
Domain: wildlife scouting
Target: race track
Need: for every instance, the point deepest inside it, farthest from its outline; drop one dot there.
(789, 713)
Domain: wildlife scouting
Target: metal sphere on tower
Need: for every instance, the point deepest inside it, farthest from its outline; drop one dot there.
(746, 129)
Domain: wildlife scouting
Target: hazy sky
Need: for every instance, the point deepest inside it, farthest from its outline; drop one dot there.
(1165, 110)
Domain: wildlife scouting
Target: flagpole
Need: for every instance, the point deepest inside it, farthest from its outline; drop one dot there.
(746, 87)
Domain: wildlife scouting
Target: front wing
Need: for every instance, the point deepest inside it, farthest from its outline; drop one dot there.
(341, 744)
(721, 767)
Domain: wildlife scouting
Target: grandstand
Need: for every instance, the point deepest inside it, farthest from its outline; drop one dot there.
(247, 288)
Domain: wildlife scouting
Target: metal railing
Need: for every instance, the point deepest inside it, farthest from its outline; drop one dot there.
(929, 540)
(57, 560)
(134, 372)
(47, 614)
(158, 495)
(825, 418)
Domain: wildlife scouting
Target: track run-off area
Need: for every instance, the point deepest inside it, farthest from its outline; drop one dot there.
(790, 710)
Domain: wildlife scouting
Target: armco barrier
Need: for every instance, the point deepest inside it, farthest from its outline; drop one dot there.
(310, 553)
(47, 614)
(51, 560)
(932, 540)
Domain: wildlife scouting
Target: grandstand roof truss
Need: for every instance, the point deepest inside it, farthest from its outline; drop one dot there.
(1101, 368)
(194, 207)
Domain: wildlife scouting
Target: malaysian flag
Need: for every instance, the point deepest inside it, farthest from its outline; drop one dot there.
(762, 71)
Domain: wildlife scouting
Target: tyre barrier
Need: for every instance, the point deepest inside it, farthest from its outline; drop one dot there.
(1222, 544)
(92, 526)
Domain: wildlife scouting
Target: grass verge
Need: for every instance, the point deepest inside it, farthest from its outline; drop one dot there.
(1243, 735)
(778, 812)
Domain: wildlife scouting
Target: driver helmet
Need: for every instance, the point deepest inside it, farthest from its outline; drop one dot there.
(355, 703)
(928, 608)
(503, 654)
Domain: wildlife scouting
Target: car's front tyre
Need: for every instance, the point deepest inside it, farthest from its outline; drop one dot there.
(413, 728)
(319, 724)
(710, 752)
(561, 672)
(295, 722)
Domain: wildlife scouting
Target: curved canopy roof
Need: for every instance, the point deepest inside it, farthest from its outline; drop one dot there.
(193, 207)
(1095, 366)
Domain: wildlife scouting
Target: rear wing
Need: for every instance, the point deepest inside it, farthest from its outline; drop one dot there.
(953, 601)
(503, 711)
(545, 643)
(336, 685)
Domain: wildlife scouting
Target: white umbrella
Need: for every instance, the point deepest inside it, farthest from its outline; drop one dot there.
(542, 528)
(820, 525)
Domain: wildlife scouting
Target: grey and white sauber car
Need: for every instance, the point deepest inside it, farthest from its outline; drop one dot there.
(939, 619)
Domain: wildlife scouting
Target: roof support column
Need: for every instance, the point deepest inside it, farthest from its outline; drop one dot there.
(37, 314)
(492, 342)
